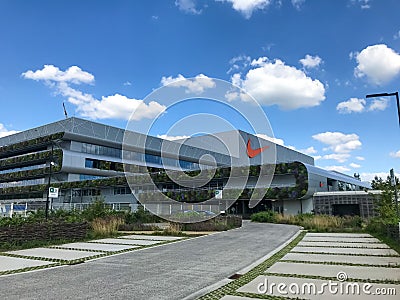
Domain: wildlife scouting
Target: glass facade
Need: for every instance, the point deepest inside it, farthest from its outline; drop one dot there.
(22, 182)
(101, 150)
(135, 156)
(22, 169)
(122, 190)
(89, 177)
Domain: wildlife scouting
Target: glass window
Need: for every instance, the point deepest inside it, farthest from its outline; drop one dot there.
(89, 163)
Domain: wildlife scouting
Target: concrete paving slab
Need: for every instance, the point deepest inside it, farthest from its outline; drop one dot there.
(340, 239)
(355, 272)
(14, 263)
(339, 234)
(349, 245)
(368, 260)
(229, 297)
(55, 253)
(363, 251)
(125, 242)
(151, 237)
(321, 289)
(98, 246)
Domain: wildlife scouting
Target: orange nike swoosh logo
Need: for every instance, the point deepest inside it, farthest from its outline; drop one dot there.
(254, 152)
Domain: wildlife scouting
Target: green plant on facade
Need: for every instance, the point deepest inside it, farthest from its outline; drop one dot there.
(37, 142)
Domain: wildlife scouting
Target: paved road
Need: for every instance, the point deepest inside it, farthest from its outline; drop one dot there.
(171, 271)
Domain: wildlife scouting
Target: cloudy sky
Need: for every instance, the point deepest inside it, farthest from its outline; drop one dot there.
(308, 63)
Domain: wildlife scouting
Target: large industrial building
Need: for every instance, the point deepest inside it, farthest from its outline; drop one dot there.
(85, 160)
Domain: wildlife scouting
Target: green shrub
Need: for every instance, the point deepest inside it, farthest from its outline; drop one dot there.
(267, 216)
(97, 209)
(141, 216)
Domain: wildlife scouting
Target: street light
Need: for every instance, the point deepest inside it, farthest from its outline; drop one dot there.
(393, 182)
(387, 95)
(392, 176)
(48, 182)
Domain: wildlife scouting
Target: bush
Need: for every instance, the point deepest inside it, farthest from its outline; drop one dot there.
(219, 223)
(267, 216)
(97, 209)
(141, 216)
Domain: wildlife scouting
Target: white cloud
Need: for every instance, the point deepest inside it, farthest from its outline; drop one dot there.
(50, 73)
(379, 104)
(340, 169)
(392, 154)
(351, 105)
(274, 83)
(298, 3)
(239, 63)
(370, 176)
(108, 107)
(127, 83)
(271, 139)
(310, 61)
(188, 6)
(339, 142)
(340, 157)
(396, 36)
(119, 107)
(308, 151)
(5, 132)
(379, 63)
(364, 4)
(355, 166)
(360, 158)
(247, 7)
(172, 137)
(358, 105)
(195, 85)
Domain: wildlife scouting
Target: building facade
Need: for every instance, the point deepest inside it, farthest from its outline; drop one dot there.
(347, 203)
(85, 160)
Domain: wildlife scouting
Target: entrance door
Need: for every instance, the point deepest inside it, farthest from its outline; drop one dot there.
(346, 209)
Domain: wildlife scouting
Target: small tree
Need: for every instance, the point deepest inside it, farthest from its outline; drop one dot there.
(387, 208)
(386, 204)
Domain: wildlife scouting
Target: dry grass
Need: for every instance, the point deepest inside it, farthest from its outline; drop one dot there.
(174, 228)
(320, 222)
(106, 226)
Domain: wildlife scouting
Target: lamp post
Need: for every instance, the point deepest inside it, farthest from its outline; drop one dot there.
(388, 95)
(48, 182)
(392, 176)
(393, 182)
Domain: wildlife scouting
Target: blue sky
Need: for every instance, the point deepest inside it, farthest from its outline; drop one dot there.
(308, 63)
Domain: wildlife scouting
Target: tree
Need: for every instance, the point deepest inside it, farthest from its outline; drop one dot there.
(386, 205)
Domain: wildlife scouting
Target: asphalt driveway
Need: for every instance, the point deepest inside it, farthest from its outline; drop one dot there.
(171, 271)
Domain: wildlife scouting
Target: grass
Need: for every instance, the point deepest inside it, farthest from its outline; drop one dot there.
(106, 226)
(339, 263)
(395, 245)
(322, 223)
